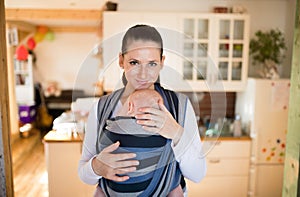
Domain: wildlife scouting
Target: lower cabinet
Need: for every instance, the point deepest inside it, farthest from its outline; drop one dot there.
(62, 163)
(228, 164)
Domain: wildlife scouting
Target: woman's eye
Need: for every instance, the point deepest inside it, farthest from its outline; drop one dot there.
(152, 64)
(133, 63)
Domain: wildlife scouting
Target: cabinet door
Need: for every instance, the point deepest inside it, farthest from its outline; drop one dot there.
(233, 186)
(62, 164)
(232, 50)
(215, 50)
(218, 166)
(227, 149)
(196, 48)
(227, 169)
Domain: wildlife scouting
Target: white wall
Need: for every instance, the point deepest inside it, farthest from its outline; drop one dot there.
(61, 59)
(65, 60)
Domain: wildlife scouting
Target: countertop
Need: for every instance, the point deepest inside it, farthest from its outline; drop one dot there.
(225, 138)
(54, 136)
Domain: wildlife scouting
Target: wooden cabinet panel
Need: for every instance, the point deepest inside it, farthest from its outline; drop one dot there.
(233, 186)
(227, 167)
(227, 170)
(63, 179)
(227, 149)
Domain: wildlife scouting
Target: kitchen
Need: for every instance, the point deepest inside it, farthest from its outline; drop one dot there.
(66, 54)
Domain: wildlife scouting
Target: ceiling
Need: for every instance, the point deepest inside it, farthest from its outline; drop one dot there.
(55, 4)
(78, 8)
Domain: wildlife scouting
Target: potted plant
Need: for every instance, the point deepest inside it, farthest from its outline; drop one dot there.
(267, 49)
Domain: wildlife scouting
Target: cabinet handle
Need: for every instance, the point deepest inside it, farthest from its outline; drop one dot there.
(214, 161)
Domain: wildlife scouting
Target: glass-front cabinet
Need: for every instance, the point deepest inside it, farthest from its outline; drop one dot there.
(215, 51)
(195, 46)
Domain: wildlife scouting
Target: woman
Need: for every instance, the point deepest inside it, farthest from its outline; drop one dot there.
(142, 59)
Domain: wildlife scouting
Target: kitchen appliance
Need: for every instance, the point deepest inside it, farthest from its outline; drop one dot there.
(263, 107)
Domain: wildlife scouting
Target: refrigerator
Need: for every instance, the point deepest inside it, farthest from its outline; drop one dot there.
(263, 108)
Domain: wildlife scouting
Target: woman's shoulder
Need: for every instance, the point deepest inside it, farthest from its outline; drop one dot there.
(111, 95)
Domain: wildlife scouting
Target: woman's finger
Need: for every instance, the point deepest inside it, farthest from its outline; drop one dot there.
(118, 178)
(125, 164)
(153, 117)
(149, 123)
(162, 106)
(123, 156)
(152, 129)
(111, 147)
(150, 110)
(123, 171)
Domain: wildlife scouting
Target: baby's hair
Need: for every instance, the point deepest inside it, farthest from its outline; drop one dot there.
(143, 33)
(146, 96)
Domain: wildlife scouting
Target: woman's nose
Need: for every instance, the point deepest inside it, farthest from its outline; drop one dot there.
(143, 72)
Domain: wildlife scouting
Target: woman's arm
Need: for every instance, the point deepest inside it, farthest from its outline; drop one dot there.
(188, 150)
(85, 169)
(93, 166)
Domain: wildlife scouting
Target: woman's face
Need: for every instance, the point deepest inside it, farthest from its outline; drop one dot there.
(142, 64)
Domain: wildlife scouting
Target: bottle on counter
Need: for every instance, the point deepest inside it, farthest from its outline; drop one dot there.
(237, 126)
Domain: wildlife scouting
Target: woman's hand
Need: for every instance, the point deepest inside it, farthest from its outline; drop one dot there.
(160, 121)
(110, 165)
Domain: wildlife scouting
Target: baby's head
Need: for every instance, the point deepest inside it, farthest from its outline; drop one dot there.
(142, 98)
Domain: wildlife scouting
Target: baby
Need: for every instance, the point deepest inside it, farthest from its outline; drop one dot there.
(124, 124)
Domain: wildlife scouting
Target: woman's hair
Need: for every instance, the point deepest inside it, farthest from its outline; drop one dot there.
(143, 33)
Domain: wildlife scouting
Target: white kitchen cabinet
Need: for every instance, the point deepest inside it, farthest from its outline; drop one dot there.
(197, 48)
(24, 81)
(62, 155)
(227, 169)
(215, 50)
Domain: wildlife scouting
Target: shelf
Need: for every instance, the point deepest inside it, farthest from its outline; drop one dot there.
(24, 81)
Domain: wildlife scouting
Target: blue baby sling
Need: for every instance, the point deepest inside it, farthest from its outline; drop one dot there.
(167, 175)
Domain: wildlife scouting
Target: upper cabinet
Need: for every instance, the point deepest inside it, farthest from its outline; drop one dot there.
(204, 52)
(215, 51)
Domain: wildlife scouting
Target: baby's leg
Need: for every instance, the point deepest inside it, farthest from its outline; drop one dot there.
(177, 192)
(99, 192)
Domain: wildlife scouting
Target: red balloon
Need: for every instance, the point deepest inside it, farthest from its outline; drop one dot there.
(31, 43)
(21, 53)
